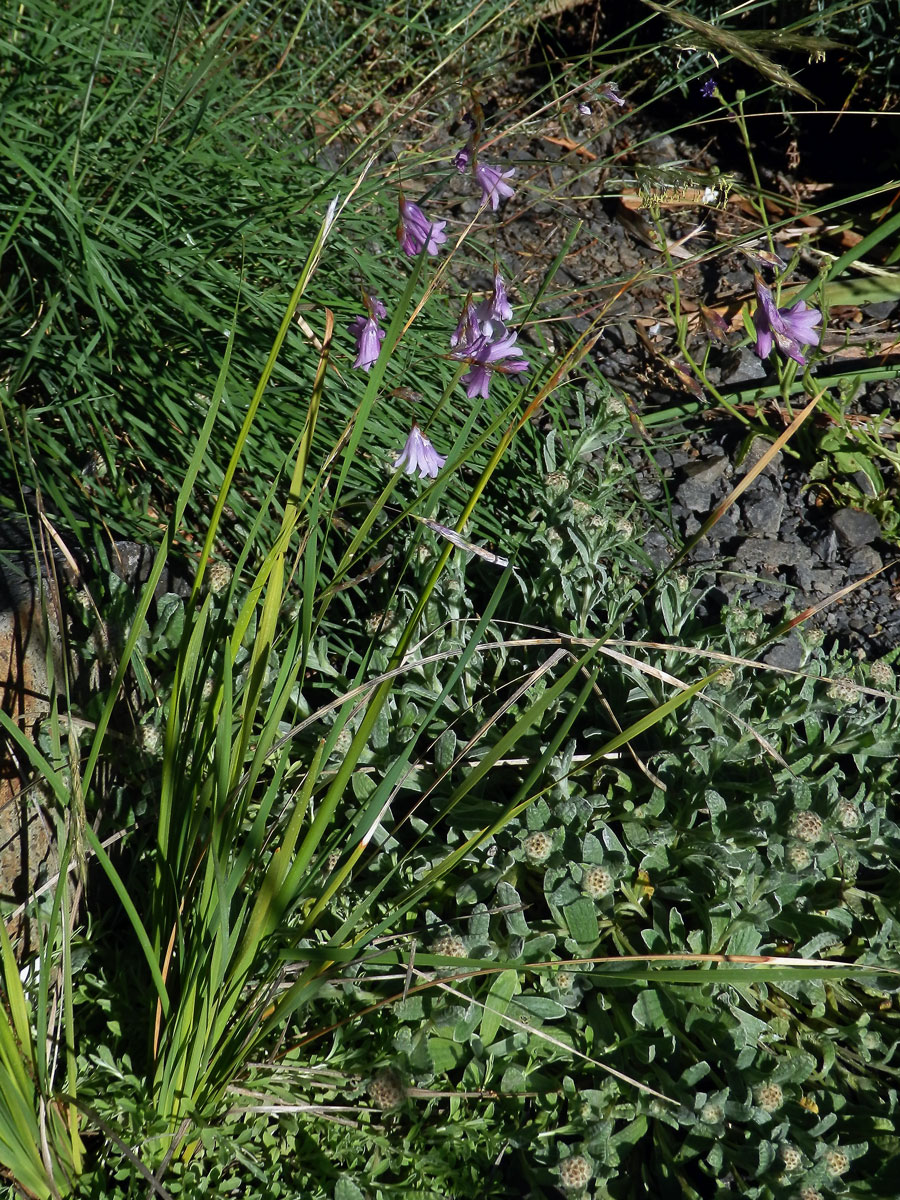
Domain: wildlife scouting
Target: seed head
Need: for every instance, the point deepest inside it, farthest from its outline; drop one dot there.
(450, 946)
(791, 1157)
(725, 678)
(711, 1114)
(218, 577)
(836, 1162)
(799, 857)
(807, 827)
(538, 847)
(843, 690)
(556, 481)
(386, 1089)
(624, 527)
(597, 882)
(881, 674)
(150, 738)
(769, 1097)
(575, 1172)
(810, 1193)
(848, 814)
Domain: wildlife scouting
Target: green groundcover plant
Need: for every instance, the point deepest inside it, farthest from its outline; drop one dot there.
(427, 843)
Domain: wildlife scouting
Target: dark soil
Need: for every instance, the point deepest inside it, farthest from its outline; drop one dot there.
(790, 542)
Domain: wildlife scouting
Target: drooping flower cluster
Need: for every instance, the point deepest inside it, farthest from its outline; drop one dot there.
(483, 340)
(368, 334)
(790, 329)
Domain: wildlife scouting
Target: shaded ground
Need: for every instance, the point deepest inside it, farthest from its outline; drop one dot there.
(799, 534)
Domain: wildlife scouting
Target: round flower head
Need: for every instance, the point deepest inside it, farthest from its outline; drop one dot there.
(575, 1172)
(386, 1089)
(419, 455)
(416, 232)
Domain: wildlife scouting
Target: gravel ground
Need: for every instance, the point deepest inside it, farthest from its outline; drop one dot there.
(790, 542)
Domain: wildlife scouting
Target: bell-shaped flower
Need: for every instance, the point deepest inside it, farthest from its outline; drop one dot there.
(495, 310)
(368, 334)
(419, 455)
(610, 91)
(790, 329)
(416, 232)
(487, 352)
(461, 161)
(493, 183)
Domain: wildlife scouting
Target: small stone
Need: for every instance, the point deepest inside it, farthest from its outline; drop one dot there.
(787, 654)
(764, 517)
(772, 553)
(707, 470)
(759, 447)
(865, 484)
(744, 368)
(855, 527)
(694, 496)
(864, 561)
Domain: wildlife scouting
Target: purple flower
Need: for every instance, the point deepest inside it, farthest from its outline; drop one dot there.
(493, 183)
(494, 310)
(468, 328)
(790, 329)
(368, 341)
(610, 91)
(486, 352)
(585, 109)
(415, 231)
(367, 333)
(419, 455)
(708, 89)
(461, 161)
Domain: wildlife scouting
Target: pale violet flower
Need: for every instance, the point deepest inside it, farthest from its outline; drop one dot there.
(495, 310)
(419, 455)
(368, 334)
(488, 349)
(461, 161)
(492, 182)
(416, 232)
(790, 329)
(468, 328)
(610, 91)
